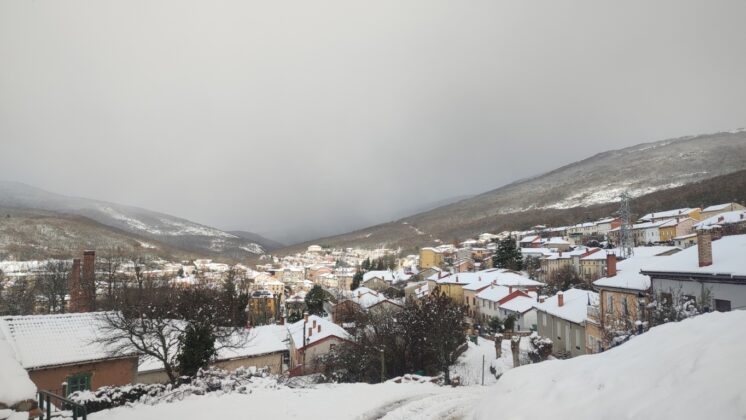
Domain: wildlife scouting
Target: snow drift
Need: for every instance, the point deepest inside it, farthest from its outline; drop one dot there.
(687, 370)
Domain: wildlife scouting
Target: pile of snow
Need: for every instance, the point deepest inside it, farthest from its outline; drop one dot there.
(686, 370)
(15, 385)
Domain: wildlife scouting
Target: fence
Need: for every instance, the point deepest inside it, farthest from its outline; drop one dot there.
(53, 406)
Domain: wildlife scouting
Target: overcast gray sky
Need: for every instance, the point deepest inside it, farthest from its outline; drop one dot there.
(302, 118)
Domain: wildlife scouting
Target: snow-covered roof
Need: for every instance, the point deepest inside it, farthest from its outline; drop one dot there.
(49, 340)
(15, 385)
(667, 214)
(328, 329)
(728, 258)
(595, 254)
(716, 207)
(556, 240)
(494, 293)
(520, 304)
(575, 305)
(729, 217)
(387, 275)
(628, 271)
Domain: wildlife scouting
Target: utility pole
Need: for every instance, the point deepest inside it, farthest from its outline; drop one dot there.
(625, 230)
(383, 366)
(482, 370)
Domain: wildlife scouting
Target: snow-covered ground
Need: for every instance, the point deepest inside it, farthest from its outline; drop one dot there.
(687, 370)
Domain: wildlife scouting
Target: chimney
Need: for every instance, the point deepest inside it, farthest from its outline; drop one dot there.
(704, 248)
(318, 329)
(510, 289)
(314, 324)
(76, 298)
(305, 316)
(88, 281)
(282, 320)
(610, 265)
(310, 332)
(541, 299)
(560, 299)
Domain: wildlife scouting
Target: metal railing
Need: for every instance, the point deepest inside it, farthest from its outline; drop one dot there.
(54, 406)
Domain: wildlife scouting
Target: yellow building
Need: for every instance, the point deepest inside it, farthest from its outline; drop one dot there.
(263, 308)
(430, 257)
(667, 230)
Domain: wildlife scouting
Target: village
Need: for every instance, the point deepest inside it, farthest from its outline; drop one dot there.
(519, 297)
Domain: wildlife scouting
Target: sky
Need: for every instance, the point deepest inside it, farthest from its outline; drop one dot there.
(298, 119)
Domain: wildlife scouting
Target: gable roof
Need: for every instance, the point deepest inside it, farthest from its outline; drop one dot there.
(520, 304)
(328, 329)
(628, 271)
(50, 340)
(728, 255)
(574, 308)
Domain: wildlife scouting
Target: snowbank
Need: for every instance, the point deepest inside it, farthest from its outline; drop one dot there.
(15, 385)
(687, 370)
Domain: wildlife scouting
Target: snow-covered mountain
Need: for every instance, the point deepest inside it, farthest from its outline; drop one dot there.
(174, 231)
(648, 168)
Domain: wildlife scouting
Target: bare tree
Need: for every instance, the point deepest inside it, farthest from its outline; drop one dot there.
(53, 287)
(109, 264)
(152, 319)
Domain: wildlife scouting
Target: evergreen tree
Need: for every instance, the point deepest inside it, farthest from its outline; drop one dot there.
(315, 300)
(198, 348)
(356, 280)
(365, 265)
(508, 255)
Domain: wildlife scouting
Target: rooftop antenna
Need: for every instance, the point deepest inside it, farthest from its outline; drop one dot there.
(626, 246)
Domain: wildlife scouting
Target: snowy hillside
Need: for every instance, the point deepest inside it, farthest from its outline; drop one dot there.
(645, 169)
(179, 233)
(687, 370)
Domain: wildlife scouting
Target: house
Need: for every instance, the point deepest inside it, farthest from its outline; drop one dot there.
(417, 290)
(603, 226)
(562, 318)
(311, 339)
(463, 265)
(488, 302)
(557, 244)
(552, 264)
(623, 296)
(531, 241)
(685, 241)
(62, 348)
(593, 265)
(263, 308)
(713, 273)
(717, 209)
(261, 347)
(726, 222)
(430, 257)
(361, 300)
(471, 291)
(521, 307)
(677, 214)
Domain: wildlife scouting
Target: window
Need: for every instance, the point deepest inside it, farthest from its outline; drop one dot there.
(78, 382)
(624, 306)
(544, 320)
(577, 338)
(609, 304)
(722, 305)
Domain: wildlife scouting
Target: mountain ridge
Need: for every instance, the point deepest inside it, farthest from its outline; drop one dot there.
(174, 231)
(594, 181)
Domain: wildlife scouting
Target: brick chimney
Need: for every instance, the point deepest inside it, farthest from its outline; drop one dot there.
(76, 293)
(310, 332)
(318, 329)
(541, 299)
(314, 324)
(704, 248)
(88, 281)
(560, 299)
(610, 265)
